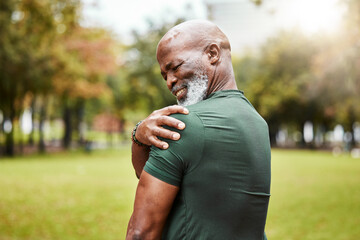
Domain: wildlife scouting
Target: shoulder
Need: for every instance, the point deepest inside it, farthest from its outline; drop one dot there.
(195, 113)
(181, 156)
(191, 141)
(191, 119)
(194, 129)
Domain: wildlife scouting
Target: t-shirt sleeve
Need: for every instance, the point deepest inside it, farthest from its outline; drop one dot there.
(172, 164)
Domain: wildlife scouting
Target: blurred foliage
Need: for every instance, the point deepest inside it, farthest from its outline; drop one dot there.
(52, 65)
(257, 2)
(277, 81)
(45, 54)
(297, 78)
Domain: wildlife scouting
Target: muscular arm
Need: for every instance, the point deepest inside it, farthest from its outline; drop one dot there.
(150, 129)
(153, 202)
(140, 154)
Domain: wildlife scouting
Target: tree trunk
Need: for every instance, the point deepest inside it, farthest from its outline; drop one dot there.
(9, 143)
(42, 148)
(1, 137)
(21, 141)
(352, 120)
(353, 140)
(273, 129)
(9, 137)
(302, 143)
(80, 109)
(68, 127)
(31, 136)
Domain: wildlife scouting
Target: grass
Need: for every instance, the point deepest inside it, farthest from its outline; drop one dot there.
(314, 196)
(66, 196)
(90, 196)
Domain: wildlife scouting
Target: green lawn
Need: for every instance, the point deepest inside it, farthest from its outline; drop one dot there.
(90, 196)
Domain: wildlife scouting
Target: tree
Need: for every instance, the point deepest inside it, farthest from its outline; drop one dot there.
(27, 29)
(88, 58)
(337, 69)
(44, 52)
(282, 77)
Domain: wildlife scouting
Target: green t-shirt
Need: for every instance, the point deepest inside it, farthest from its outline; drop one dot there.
(222, 165)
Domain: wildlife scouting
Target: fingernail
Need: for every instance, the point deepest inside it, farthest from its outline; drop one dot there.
(165, 146)
(186, 111)
(181, 125)
(176, 136)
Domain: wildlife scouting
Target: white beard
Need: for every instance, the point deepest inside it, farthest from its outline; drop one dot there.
(196, 90)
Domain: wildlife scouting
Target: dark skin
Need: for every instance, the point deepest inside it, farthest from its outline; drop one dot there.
(185, 50)
(151, 128)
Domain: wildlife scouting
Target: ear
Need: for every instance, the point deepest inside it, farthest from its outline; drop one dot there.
(213, 53)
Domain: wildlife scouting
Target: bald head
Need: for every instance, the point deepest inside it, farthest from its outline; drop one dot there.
(195, 34)
(195, 60)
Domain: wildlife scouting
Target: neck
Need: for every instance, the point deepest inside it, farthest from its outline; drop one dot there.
(223, 79)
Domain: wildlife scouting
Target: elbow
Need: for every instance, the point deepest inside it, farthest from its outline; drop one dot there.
(139, 234)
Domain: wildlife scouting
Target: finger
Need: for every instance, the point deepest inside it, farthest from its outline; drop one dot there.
(157, 143)
(165, 133)
(175, 109)
(171, 122)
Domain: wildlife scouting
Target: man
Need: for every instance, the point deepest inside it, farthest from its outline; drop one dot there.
(213, 182)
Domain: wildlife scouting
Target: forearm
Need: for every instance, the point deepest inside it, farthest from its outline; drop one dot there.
(153, 202)
(129, 226)
(140, 154)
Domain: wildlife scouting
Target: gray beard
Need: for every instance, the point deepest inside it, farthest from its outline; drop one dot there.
(196, 90)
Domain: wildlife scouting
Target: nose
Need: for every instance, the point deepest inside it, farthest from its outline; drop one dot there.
(171, 81)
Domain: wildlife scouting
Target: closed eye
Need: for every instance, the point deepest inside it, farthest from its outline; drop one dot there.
(176, 67)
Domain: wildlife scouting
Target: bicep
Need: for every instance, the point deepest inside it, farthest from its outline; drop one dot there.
(153, 202)
(139, 156)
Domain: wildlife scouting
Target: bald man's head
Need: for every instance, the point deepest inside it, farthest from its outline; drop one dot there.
(195, 60)
(195, 34)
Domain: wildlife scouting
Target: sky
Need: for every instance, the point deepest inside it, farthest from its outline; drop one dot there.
(310, 15)
(234, 17)
(122, 16)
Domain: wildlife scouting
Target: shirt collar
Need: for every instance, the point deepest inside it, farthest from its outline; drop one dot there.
(224, 93)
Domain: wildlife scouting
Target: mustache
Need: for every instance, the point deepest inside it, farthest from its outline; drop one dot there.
(176, 88)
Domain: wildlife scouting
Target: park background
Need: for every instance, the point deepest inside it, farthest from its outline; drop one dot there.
(76, 76)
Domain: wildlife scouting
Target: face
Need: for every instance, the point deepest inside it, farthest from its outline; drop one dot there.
(195, 88)
(184, 73)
